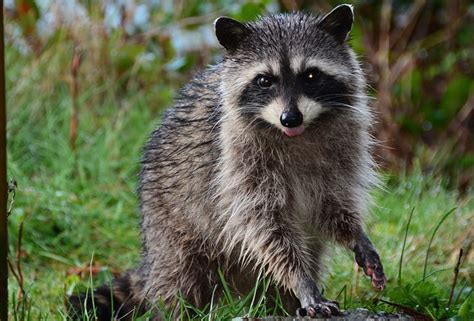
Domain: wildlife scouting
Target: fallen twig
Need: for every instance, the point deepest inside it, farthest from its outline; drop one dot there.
(410, 311)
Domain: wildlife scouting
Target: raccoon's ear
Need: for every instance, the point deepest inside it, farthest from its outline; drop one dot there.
(338, 22)
(230, 32)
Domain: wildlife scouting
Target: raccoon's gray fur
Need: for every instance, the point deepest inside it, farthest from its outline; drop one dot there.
(263, 160)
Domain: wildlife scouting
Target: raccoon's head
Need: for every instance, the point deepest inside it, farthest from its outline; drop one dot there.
(288, 69)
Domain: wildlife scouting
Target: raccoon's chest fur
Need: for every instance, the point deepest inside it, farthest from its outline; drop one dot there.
(289, 179)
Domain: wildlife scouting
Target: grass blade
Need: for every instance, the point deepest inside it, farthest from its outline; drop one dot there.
(227, 293)
(255, 290)
(403, 248)
(445, 216)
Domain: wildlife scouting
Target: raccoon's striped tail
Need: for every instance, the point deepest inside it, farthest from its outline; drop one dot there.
(118, 301)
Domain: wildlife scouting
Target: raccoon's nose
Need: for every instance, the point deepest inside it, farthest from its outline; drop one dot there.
(291, 118)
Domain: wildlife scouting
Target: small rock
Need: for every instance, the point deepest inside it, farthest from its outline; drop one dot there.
(350, 315)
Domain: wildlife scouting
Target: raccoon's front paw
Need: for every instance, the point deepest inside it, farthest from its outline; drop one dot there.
(375, 271)
(372, 266)
(322, 308)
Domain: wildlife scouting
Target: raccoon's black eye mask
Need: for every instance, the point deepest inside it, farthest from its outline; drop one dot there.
(324, 88)
(310, 76)
(265, 81)
(312, 82)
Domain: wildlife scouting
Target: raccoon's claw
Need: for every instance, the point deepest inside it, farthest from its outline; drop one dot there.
(321, 309)
(375, 271)
(367, 258)
(370, 262)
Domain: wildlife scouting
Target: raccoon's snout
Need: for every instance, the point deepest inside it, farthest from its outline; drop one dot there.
(292, 121)
(291, 118)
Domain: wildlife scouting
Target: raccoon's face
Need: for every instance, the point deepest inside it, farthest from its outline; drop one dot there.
(286, 70)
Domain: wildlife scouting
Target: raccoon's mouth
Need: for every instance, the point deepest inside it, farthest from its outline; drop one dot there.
(293, 131)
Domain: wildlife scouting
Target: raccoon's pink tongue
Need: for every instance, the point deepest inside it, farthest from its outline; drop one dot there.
(295, 131)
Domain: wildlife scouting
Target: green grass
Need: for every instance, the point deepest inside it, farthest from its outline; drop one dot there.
(80, 207)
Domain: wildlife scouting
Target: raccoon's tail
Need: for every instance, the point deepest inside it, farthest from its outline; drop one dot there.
(119, 301)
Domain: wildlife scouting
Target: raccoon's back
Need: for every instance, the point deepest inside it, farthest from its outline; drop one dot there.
(180, 157)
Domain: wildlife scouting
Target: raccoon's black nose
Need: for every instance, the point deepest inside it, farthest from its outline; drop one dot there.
(291, 118)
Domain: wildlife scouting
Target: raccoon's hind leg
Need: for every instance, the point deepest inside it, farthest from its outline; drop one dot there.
(119, 301)
(181, 268)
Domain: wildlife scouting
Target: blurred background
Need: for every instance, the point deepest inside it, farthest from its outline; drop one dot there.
(418, 56)
(87, 81)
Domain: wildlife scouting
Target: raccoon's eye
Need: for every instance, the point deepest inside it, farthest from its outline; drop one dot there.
(265, 81)
(310, 76)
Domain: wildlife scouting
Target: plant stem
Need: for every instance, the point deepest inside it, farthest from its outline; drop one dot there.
(455, 279)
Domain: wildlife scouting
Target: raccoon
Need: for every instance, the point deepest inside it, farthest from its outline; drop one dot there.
(264, 160)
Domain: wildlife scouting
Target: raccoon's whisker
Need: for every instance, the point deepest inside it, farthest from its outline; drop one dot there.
(222, 119)
(347, 95)
(249, 109)
(226, 115)
(352, 108)
(336, 104)
(251, 123)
